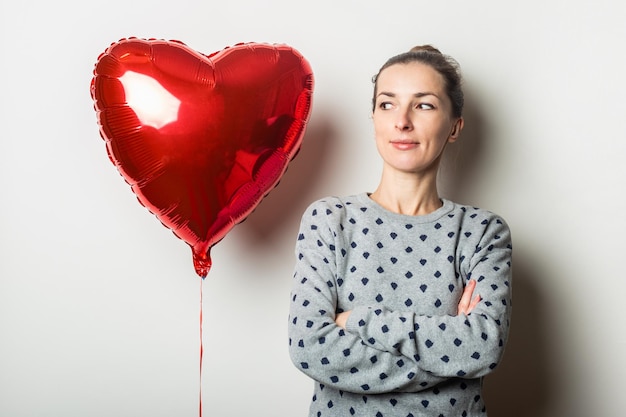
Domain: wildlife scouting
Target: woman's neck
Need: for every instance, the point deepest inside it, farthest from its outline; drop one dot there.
(407, 194)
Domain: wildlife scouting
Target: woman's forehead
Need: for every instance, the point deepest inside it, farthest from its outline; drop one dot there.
(412, 75)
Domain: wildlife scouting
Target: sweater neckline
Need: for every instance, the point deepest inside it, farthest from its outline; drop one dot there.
(446, 207)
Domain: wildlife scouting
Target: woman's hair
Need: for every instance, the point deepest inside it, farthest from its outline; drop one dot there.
(445, 65)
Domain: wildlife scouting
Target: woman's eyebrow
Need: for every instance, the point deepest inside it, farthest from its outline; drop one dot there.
(425, 93)
(416, 95)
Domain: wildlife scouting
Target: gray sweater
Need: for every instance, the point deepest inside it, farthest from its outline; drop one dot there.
(404, 352)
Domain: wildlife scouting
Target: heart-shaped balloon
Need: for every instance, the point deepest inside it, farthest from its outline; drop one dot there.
(201, 139)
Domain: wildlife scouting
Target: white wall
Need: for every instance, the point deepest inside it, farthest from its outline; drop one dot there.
(99, 304)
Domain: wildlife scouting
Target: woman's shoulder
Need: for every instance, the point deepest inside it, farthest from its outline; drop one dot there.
(332, 204)
(475, 217)
(472, 211)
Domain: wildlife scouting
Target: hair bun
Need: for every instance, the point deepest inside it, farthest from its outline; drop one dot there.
(425, 48)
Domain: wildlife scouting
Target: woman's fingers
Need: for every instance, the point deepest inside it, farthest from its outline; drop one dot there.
(468, 301)
(342, 318)
(474, 303)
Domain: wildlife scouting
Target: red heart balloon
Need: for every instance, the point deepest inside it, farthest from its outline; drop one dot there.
(201, 139)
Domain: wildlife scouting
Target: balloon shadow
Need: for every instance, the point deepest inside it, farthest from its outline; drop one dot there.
(281, 209)
(523, 384)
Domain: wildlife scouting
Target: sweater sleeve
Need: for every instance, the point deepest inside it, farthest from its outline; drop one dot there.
(452, 346)
(320, 348)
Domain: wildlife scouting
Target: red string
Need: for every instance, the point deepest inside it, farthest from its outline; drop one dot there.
(201, 347)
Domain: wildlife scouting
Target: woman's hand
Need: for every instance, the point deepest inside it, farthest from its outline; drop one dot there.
(467, 303)
(342, 318)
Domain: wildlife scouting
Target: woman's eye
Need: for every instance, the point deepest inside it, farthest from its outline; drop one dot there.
(385, 105)
(425, 106)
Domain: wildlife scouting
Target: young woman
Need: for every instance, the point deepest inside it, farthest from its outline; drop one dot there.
(401, 298)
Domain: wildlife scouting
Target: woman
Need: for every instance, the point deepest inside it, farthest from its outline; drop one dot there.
(401, 299)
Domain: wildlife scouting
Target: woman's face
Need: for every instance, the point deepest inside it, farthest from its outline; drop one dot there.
(413, 118)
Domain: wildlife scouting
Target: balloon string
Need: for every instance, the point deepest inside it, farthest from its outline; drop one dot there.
(201, 347)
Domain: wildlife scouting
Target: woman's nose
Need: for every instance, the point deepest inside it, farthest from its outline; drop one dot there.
(403, 121)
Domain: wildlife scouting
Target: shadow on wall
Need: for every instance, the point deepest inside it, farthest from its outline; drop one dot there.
(463, 160)
(522, 385)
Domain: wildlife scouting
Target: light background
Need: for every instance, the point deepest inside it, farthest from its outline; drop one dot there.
(99, 304)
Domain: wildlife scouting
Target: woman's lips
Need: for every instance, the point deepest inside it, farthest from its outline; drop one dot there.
(404, 145)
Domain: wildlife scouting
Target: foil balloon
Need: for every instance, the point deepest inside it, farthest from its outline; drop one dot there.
(201, 139)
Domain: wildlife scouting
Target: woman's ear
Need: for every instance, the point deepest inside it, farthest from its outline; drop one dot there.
(456, 130)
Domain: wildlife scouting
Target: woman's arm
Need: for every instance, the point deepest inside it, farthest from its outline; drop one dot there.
(468, 345)
(467, 303)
